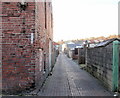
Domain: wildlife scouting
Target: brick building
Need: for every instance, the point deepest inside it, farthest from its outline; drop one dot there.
(27, 39)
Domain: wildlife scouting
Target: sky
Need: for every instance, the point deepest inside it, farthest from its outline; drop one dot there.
(76, 19)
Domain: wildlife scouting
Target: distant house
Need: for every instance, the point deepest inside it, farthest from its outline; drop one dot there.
(56, 45)
(70, 49)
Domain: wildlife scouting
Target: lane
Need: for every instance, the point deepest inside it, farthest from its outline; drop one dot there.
(69, 80)
(86, 84)
(57, 84)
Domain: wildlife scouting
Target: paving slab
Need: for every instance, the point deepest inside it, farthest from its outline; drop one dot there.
(69, 80)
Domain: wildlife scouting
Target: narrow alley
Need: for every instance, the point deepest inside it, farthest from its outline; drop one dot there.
(69, 80)
(43, 48)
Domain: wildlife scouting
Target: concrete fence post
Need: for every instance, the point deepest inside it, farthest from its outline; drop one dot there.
(115, 67)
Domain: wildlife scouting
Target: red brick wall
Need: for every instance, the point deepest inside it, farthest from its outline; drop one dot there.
(0, 46)
(17, 50)
(42, 39)
(23, 61)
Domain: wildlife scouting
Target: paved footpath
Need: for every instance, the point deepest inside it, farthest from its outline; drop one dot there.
(69, 80)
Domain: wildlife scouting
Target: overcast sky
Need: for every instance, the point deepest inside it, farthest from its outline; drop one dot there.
(75, 19)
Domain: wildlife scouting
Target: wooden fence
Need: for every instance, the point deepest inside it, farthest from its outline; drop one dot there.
(99, 61)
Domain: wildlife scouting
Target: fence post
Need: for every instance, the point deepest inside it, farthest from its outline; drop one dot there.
(78, 55)
(115, 67)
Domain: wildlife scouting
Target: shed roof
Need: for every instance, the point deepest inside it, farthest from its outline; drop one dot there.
(54, 43)
(106, 42)
(71, 46)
